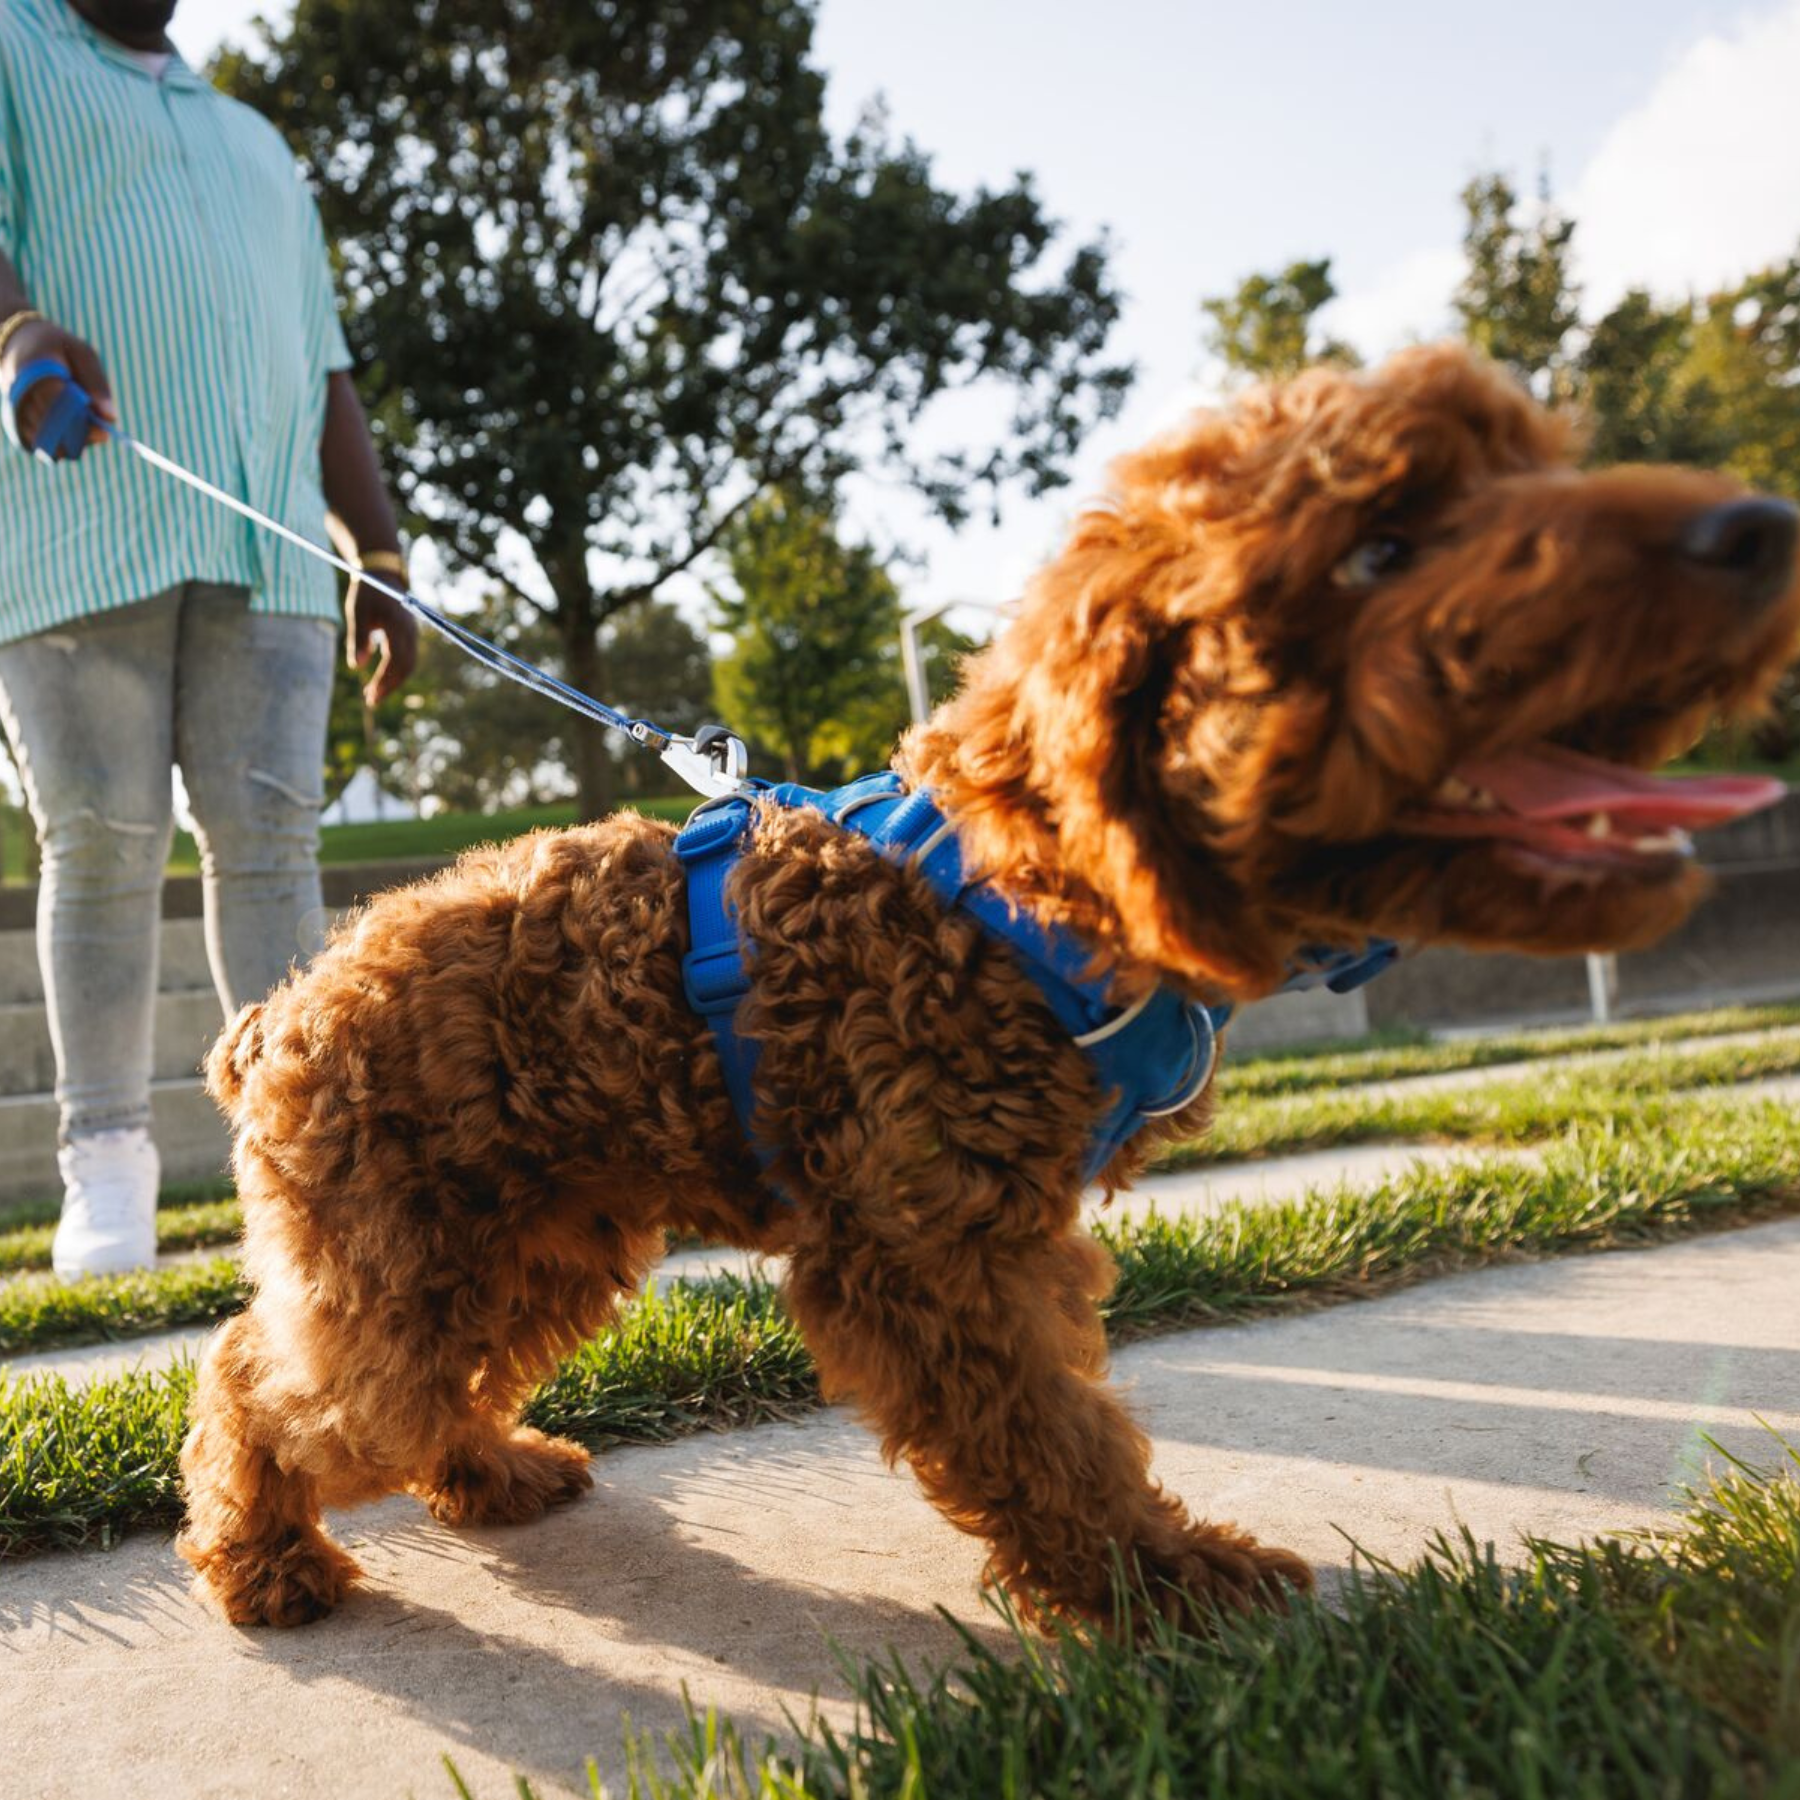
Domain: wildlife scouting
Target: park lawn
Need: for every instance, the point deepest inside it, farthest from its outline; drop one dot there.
(80, 1464)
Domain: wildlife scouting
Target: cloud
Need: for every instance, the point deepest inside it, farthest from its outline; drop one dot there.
(1701, 183)
(1408, 301)
(1687, 193)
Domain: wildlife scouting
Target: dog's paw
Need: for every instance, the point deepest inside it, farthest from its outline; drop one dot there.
(510, 1481)
(295, 1580)
(1211, 1569)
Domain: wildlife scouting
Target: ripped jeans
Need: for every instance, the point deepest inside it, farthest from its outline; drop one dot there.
(97, 712)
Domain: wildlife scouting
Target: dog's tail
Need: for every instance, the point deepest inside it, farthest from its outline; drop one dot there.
(235, 1052)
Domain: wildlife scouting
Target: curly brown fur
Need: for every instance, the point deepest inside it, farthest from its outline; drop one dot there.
(463, 1133)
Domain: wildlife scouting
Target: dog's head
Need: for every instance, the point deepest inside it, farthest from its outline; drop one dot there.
(1364, 655)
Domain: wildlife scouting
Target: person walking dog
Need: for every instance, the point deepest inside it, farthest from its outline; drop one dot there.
(156, 240)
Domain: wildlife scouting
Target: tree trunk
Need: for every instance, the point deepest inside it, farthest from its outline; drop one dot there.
(591, 761)
(596, 777)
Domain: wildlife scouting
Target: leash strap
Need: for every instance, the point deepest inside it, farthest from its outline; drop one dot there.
(713, 761)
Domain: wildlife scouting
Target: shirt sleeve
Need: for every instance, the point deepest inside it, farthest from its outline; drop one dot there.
(324, 329)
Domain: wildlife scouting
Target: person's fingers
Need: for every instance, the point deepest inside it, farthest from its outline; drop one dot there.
(374, 621)
(378, 687)
(403, 648)
(86, 367)
(31, 410)
(399, 634)
(45, 340)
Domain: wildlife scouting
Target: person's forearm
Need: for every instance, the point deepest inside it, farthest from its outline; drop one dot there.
(360, 514)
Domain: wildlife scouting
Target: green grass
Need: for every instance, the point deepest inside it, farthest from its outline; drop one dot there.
(1399, 1055)
(79, 1464)
(206, 1225)
(398, 840)
(1644, 1665)
(1536, 1105)
(38, 1312)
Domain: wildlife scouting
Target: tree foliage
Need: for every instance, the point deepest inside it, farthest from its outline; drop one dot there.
(1517, 299)
(814, 671)
(1265, 330)
(610, 276)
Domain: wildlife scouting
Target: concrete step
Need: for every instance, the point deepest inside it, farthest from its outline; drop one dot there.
(182, 965)
(190, 1134)
(186, 1021)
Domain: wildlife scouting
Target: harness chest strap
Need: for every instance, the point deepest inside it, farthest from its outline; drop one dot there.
(1151, 1059)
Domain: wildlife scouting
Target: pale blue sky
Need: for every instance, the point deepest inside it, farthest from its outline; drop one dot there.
(1214, 140)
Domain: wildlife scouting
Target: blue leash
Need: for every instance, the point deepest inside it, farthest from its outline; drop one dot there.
(712, 761)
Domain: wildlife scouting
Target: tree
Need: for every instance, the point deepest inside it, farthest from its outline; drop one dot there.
(1645, 399)
(1264, 331)
(610, 276)
(814, 668)
(1517, 300)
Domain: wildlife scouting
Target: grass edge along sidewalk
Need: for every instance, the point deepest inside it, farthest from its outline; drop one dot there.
(80, 1464)
(1651, 1663)
(1395, 1055)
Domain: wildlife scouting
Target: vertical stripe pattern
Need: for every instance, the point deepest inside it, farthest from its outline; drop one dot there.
(168, 226)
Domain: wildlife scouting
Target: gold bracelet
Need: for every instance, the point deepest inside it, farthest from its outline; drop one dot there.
(17, 322)
(382, 562)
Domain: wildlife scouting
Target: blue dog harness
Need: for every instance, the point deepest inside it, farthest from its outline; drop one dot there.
(1151, 1058)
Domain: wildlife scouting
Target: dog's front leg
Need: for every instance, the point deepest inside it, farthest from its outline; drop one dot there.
(982, 1364)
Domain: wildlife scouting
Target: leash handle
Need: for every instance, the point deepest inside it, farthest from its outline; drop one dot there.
(62, 434)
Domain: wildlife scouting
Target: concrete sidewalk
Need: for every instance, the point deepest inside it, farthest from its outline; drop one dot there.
(1562, 1398)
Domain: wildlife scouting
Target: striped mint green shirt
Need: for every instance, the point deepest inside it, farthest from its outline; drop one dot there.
(167, 225)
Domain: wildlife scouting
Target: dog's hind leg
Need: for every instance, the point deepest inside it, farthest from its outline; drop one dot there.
(491, 1469)
(503, 1474)
(982, 1366)
(253, 1532)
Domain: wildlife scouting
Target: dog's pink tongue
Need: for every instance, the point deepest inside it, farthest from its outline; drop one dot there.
(1547, 782)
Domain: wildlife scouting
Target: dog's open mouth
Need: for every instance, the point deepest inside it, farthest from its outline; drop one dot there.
(1558, 809)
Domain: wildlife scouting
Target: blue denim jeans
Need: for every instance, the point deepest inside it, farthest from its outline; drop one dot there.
(98, 711)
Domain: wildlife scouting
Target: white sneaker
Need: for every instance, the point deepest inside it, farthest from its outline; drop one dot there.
(109, 1205)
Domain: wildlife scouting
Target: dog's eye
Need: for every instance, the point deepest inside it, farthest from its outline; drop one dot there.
(1370, 560)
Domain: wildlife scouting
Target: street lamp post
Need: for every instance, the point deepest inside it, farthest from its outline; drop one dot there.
(912, 658)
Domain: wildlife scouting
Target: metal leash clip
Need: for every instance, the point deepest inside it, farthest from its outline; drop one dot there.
(713, 762)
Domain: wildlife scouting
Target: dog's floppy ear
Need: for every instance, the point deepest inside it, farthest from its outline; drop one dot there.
(1055, 758)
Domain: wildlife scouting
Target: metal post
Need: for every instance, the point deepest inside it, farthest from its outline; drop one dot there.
(918, 693)
(1603, 981)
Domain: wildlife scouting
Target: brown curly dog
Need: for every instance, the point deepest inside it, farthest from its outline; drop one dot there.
(1363, 654)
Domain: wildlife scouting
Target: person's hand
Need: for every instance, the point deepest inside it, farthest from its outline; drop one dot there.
(371, 615)
(33, 342)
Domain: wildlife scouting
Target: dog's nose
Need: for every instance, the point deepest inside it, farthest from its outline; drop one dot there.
(1751, 539)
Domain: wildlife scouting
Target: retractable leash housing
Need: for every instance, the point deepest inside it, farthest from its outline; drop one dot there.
(713, 761)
